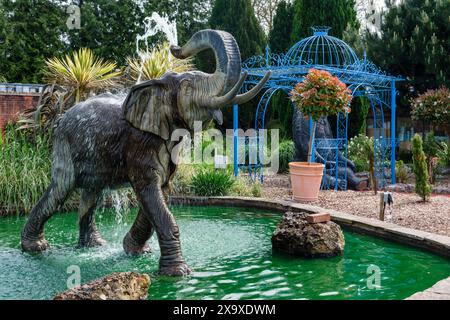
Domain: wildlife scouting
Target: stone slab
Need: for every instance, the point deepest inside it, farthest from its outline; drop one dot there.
(318, 217)
(440, 291)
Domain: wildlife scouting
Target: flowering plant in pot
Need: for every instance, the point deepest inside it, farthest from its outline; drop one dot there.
(319, 94)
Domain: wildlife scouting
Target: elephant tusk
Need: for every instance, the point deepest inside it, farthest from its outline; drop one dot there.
(217, 102)
(245, 97)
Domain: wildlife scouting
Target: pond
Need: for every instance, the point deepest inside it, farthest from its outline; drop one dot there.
(229, 250)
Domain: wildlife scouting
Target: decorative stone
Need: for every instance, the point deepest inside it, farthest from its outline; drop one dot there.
(440, 291)
(296, 236)
(116, 286)
(318, 217)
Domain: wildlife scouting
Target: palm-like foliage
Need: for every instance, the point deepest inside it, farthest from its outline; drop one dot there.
(2, 79)
(155, 63)
(82, 72)
(53, 102)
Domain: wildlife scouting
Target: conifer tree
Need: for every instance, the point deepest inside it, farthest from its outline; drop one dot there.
(414, 43)
(280, 34)
(30, 32)
(337, 14)
(423, 188)
(239, 20)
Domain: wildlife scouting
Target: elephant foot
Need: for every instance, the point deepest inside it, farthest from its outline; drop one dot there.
(36, 245)
(176, 270)
(133, 248)
(92, 241)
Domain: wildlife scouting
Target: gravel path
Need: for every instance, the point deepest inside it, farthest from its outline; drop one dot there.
(408, 210)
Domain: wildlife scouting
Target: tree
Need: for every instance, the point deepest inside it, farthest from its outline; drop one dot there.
(432, 107)
(357, 118)
(433, 149)
(265, 11)
(239, 20)
(30, 32)
(190, 15)
(422, 188)
(280, 34)
(338, 14)
(109, 28)
(414, 43)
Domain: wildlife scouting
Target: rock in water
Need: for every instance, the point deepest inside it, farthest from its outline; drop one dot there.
(296, 236)
(116, 286)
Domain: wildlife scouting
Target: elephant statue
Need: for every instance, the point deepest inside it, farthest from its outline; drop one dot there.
(300, 132)
(105, 142)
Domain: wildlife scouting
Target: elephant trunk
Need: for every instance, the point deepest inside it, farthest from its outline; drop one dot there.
(226, 51)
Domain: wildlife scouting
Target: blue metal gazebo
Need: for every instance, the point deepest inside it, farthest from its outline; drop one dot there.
(324, 52)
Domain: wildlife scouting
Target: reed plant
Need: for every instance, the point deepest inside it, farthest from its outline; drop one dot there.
(24, 170)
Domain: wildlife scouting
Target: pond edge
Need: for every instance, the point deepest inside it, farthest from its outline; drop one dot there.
(438, 244)
(428, 241)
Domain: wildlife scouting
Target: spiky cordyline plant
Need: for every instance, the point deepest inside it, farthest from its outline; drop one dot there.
(157, 62)
(82, 72)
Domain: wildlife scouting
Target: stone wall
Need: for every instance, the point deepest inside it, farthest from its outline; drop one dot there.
(11, 105)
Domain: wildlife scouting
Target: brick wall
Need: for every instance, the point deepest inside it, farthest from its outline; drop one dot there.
(11, 105)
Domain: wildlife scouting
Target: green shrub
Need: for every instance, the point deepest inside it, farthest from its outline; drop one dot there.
(181, 183)
(245, 187)
(420, 169)
(402, 172)
(355, 152)
(361, 152)
(432, 107)
(432, 149)
(361, 165)
(256, 190)
(444, 155)
(286, 154)
(210, 182)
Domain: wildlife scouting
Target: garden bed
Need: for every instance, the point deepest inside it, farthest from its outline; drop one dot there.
(408, 210)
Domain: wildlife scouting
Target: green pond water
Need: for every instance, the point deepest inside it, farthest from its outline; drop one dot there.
(230, 252)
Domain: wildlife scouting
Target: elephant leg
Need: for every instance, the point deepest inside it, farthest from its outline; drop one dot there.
(89, 235)
(135, 242)
(63, 181)
(32, 239)
(152, 200)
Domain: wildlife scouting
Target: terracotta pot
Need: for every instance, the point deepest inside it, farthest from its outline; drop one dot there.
(305, 180)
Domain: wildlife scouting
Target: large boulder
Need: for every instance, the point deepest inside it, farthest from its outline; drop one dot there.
(296, 236)
(116, 286)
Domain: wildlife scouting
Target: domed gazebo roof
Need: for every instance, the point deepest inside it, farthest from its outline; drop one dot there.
(321, 49)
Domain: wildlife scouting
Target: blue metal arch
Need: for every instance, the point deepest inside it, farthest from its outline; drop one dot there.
(362, 76)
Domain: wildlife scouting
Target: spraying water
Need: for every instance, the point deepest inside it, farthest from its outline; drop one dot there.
(120, 203)
(153, 25)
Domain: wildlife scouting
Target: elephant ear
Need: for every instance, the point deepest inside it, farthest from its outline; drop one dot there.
(147, 107)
